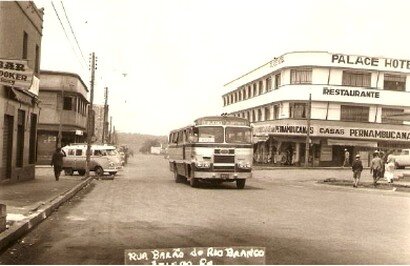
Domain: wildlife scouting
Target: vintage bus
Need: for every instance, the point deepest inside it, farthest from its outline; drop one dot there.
(214, 149)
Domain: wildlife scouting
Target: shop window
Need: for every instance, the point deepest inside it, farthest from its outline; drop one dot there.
(277, 81)
(394, 82)
(297, 110)
(387, 112)
(356, 79)
(301, 76)
(68, 103)
(354, 113)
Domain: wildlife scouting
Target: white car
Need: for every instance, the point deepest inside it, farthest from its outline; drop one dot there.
(104, 159)
(401, 159)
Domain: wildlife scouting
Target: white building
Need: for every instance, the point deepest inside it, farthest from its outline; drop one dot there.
(352, 98)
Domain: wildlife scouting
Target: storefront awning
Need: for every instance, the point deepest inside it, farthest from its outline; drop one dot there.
(358, 143)
(21, 96)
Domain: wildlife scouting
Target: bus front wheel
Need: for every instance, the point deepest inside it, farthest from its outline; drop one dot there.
(177, 177)
(193, 182)
(240, 183)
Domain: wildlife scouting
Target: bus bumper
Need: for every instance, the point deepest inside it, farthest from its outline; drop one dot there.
(222, 175)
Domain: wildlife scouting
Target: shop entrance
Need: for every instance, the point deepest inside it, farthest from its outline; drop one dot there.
(7, 144)
(339, 154)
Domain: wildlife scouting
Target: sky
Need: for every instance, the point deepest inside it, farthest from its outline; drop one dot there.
(165, 61)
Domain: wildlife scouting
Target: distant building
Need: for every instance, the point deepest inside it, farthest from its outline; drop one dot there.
(353, 100)
(63, 99)
(21, 24)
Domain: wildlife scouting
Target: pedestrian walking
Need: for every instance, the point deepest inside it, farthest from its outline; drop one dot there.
(57, 162)
(376, 168)
(346, 161)
(389, 170)
(383, 156)
(357, 168)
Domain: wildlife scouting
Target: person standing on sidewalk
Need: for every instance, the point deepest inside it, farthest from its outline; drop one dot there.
(57, 162)
(357, 168)
(376, 168)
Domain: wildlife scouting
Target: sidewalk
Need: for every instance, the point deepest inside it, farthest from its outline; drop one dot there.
(341, 176)
(30, 202)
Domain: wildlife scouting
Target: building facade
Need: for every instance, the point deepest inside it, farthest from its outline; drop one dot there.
(353, 102)
(21, 24)
(64, 104)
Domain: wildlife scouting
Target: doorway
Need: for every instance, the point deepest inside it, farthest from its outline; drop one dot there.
(7, 144)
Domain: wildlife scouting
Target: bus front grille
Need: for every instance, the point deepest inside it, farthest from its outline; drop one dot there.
(226, 168)
(224, 159)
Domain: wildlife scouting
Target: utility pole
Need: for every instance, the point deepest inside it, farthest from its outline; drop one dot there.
(307, 149)
(110, 134)
(104, 128)
(90, 114)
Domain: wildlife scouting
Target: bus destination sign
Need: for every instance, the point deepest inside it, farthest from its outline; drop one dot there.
(213, 121)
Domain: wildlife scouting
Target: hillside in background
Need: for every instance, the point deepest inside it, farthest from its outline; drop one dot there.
(136, 141)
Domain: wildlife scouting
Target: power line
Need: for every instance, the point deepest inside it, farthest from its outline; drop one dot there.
(65, 32)
(72, 31)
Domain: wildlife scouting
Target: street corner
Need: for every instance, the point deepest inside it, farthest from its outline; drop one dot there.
(397, 185)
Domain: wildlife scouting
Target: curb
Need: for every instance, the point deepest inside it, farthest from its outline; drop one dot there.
(20, 228)
(348, 183)
(262, 167)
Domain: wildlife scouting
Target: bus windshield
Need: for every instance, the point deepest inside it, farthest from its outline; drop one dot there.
(210, 134)
(238, 135)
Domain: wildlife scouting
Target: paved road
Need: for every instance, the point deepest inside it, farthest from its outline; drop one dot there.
(296, 219)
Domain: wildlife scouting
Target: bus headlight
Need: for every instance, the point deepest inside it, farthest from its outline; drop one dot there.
(244, 165)
(202, 164)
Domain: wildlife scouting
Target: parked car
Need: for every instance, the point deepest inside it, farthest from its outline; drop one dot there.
(401, 158)
(104, 159)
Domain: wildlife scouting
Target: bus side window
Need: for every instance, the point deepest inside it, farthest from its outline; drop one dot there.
(185, 136)
(195, 134)
(180, 136)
